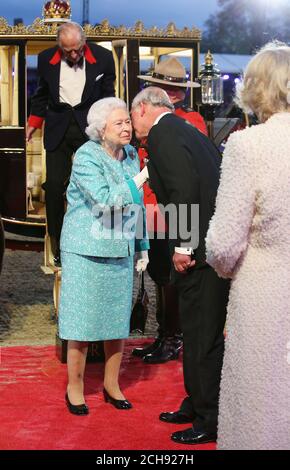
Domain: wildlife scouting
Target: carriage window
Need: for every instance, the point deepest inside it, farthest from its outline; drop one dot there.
(9, 56)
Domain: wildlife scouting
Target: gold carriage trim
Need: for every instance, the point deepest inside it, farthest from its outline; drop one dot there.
(43, 28)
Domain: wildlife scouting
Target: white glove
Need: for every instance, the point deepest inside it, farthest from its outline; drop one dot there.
(142, 261)
(141, 178)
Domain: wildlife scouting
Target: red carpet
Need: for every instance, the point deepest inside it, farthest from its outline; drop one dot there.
(33, 414)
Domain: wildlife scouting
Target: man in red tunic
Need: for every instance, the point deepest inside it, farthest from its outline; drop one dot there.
(170, 75)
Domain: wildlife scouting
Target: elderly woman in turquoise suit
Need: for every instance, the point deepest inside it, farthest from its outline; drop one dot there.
(98, 242)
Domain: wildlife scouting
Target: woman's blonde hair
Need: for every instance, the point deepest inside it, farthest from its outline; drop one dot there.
(265, 89)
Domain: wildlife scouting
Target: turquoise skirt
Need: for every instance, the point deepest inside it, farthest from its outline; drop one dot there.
(95, 297)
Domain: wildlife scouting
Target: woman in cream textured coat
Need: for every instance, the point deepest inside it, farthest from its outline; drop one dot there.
(249, 241)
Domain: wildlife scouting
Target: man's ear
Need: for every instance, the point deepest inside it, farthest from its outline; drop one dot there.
(142, 109)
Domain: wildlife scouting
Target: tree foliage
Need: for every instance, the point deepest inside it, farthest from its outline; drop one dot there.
(242, 26)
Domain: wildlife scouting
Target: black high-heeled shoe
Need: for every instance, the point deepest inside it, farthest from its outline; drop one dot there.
(76, 409)
(119, 404)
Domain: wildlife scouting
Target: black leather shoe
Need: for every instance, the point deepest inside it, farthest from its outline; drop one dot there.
(119, 404)
(192, 436)
(176, 417)
(76, 409)
(141, 352)
(168, 350)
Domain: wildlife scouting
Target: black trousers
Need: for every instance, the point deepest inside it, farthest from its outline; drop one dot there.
(58, 170)
(159, 269)
(203, 298)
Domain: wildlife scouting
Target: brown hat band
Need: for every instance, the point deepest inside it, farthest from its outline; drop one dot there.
(168, 78)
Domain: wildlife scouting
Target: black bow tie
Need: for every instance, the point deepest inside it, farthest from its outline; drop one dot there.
(80, 63)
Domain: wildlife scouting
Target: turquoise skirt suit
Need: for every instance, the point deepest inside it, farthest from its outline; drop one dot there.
(103, 227)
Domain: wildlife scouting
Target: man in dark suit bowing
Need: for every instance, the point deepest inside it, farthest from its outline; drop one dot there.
(184, 173)
(72, 76)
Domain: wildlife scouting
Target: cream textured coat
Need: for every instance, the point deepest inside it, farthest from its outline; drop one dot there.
(249, 241)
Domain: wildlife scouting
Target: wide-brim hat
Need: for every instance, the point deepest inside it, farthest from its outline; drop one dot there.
(170, 72)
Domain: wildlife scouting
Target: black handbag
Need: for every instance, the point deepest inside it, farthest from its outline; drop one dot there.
(140, 309)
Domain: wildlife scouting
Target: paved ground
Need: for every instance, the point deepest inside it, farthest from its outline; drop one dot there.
(26, 301)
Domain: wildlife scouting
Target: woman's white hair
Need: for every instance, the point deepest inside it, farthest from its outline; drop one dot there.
(265, 89)
(98, 115)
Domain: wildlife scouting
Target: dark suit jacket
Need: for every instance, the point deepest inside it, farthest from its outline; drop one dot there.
(45, 103)
(184, 169)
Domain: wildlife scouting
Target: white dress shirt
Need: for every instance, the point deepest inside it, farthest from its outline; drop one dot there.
(71, 83)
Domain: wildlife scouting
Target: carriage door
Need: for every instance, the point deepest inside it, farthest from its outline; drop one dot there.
(13, 199)
(126, 56)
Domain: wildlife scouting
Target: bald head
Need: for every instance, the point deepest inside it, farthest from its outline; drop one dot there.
(70, 31)
(71, 39)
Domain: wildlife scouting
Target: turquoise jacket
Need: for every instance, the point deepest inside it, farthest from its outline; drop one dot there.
(105, 214)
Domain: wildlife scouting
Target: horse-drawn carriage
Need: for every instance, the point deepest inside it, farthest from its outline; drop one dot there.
(22, 164)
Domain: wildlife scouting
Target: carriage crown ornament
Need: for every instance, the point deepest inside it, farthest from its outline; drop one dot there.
(56, 11)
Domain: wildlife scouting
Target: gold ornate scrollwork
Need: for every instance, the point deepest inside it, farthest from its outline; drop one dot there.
(196, 33)
(139, 28)
(38, 27)
(104, 29)
(189, 33)
(19, 29)
(171, 29)
(4, 26)
(87, 29)
(121, 30)
(155, 31)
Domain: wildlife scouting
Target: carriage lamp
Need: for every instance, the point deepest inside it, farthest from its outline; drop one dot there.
(211, 90)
